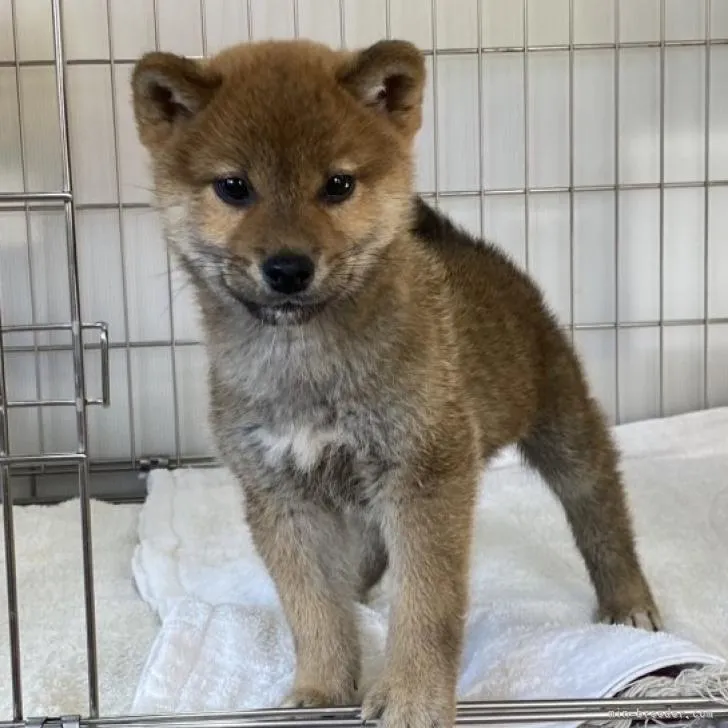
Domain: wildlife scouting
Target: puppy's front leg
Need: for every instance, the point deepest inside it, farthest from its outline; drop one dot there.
(427, 529)
(304, 549)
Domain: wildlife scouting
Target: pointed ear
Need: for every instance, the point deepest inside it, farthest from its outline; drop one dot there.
(390, 77)
(167, 91)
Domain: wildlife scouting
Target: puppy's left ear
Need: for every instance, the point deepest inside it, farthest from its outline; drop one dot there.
(389, 77)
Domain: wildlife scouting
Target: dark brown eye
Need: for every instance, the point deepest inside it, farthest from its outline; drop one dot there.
(234, 190)
(338, 187)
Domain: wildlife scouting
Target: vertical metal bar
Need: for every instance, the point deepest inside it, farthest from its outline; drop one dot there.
(155, 23)
(342, 23)
(122, 242)
(173, 362)
(706, 211)
(526, 133)
(572, 281)
(435, 103)
(11, 580)
(28, 237)
(78, 363)
(388, 18)
(617, 393)
(250, 20)
(481, 144)
(170, 299)
(203, 28)
(296, 21)
(662, 208)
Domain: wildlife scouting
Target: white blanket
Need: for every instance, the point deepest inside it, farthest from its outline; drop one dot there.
(50, 595)
(224, 644)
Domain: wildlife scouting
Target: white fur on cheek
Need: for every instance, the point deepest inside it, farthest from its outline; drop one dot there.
(175, 215)
(174, 218)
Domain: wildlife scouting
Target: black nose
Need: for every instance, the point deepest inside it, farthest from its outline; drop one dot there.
(288, 273)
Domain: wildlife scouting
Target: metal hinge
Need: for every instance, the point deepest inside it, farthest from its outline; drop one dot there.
(154, 462)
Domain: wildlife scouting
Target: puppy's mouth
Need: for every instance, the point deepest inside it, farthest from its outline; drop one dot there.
(287, 313)
(292, 311)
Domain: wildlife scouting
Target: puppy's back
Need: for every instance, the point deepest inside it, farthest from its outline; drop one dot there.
(509, 339)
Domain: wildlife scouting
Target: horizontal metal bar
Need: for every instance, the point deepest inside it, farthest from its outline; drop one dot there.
(468, 714)
(165, 343)
(24, 403)
(23, 328)
(428, 194)
(483, 714)
(59, 197)
(49, 458)
(99, 206)
(649, 324)
(108, 465)
(566, 189)
(485, 192)
(465, 720)
(100, 326)
(29, 403)
(468, 50)
(113, 345)
(473, 708)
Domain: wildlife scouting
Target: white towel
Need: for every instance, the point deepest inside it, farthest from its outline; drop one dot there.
(224, 644)
(50, 599)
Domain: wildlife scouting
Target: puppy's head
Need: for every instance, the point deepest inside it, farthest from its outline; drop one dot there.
(283, 170)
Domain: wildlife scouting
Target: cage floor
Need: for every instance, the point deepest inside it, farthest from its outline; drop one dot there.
(50, 584)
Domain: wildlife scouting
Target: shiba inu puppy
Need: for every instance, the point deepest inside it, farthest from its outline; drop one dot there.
(367, 358)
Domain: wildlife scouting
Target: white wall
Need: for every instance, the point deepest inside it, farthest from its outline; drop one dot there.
(479, 108)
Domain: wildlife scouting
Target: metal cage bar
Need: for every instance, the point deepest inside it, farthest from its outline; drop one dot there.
(526, 142)
(706, 208)
(78, 363)
(616, 162)
(170, 297)
(122, 239)
(435, 104)
(75, 327)
(662, 209)
(598, 712)
(28, 234)
(11, 582)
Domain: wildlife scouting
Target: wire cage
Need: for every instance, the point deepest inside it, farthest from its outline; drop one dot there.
(588, 137)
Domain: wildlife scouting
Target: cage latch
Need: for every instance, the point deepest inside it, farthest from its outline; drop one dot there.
(64, 721)
(36, 722)
(70, 721)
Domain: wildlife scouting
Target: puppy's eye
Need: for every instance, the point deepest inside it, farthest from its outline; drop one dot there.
(338, 187)
(234, 190)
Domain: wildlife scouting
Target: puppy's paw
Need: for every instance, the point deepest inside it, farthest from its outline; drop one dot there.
(403, 704)
(306, 698)
(645, 617)
(319, 697)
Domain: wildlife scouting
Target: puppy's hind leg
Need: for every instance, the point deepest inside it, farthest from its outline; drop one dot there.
(571, 447)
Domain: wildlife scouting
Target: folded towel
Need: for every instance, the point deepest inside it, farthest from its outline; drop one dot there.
(224, 644)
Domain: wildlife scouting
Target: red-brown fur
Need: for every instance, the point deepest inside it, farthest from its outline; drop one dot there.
(358, 421)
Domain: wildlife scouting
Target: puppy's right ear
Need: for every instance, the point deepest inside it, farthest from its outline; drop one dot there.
(168, 90)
